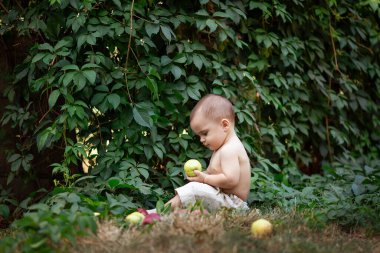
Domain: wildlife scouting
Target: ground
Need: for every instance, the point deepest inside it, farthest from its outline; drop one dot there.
(227, 231)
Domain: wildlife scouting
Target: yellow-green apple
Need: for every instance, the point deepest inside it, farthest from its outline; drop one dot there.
(190, 166)
(261, 227)
(135, 218)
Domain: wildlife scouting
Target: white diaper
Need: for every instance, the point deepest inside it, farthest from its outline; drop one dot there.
(212, 198)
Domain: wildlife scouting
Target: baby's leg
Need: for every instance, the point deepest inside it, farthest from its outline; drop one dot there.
(175, 203)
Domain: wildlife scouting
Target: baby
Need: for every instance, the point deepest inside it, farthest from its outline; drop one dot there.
(226, 182)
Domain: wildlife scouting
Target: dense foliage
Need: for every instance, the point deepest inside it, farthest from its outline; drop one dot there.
(120, 78)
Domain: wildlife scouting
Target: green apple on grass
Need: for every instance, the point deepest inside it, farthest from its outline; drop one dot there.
(135, 218)
(190, 166)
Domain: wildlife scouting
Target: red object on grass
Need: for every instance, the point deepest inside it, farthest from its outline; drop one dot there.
(142, 210)
(150, 218)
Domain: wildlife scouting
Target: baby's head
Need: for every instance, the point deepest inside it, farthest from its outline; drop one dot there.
(214, 107)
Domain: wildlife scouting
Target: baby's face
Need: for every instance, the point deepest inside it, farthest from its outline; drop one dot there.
(212, 134)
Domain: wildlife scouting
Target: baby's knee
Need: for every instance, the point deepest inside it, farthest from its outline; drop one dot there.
(194, 185)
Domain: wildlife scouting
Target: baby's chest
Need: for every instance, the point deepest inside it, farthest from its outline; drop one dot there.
(214, 165)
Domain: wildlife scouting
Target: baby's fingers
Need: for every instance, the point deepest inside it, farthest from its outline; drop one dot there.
(198, 173)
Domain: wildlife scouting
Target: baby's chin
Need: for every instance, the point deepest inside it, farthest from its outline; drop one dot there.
(207, 146)
(211, 148)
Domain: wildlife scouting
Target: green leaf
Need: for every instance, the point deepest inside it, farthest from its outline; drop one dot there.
(98, 98)
(90, 75)
(159, 149)
(193, 92)
(148, 151)
(152, 85)
(167, 32)
(197, 61)
(176, 71)
(154, 72)
(4, 211)
(42, 139)
(183, 143)
(90, 66)
(47, 47)
(10, 178)
(113, 182)
(70, 67)
(38, 57)
(81, 40)
(192, 79)
(102, 88)
(48, 58)
(91, 39)
(117, 86)
(222, 36)
(180, 58)
(144, 172)
(20, 75)
(66, 42)
(212, 25)
(78, 21)
(117, 3)
(75, 4)
(13, 158)
(79, 81)
(151, 28)
(141, 116)
(67, 78)
(114, 100)
(165, 60)
(220, 14)
(53, 98)
(202, 12)
(73, 198)
(374, 4)
(16, 165)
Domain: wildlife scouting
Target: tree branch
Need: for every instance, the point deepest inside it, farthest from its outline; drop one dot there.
(333, 46)
(4, 8)
(129, 49)
(327, 125)
(19, 5)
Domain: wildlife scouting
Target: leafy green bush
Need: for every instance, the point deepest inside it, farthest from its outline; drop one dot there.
(347, 194)
(7, 203)
(46, 231)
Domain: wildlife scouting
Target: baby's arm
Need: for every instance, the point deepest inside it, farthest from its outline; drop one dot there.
(230, 171)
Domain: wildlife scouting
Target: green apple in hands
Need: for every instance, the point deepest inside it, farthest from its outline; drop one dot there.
(190, 166)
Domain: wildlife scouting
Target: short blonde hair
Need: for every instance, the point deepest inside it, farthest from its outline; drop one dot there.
(214, 107)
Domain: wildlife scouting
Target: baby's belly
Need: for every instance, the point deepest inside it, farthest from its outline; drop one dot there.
(235, 192)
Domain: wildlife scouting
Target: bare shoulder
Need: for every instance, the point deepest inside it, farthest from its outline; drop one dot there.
(234, 146)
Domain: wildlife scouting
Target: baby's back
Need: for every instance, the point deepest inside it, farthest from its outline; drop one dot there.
(242, 188)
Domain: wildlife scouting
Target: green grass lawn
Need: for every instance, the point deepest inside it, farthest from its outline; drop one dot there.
(226, 231)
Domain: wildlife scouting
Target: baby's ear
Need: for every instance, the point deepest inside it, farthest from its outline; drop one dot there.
(225, 123)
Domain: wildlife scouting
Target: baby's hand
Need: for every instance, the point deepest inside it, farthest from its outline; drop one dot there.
(199, 177)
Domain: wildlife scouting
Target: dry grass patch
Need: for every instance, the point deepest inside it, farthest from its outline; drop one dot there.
(225, 231)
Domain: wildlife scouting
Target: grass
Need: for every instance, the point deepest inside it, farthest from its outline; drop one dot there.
(227, 231)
